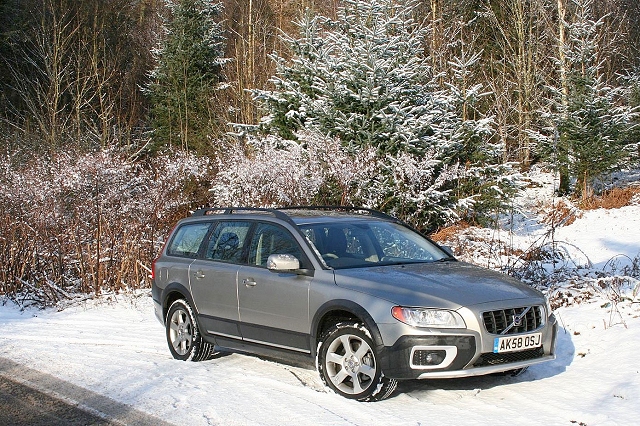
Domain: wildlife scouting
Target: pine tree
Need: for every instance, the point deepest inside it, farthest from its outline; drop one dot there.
(592, 117)
(633, 82)
(188, 72)
(364, 78)
(486, 184)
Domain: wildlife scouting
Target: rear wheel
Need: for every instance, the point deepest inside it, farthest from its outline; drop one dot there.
(347, 363)
(184, 338)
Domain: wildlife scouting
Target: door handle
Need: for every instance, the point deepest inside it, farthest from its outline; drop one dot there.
(199, 275)
(249, 282)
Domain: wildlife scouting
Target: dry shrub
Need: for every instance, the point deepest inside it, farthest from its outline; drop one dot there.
(90, 224)
(561, 214)
(450, 232)
(612, 199)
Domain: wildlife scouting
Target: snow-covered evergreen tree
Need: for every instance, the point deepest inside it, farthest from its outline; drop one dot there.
(592, 116)
(365, 79)
(188, 71)
(633, 82)
(486, 183)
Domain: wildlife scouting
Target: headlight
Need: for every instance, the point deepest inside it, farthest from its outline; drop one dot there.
(423, 317)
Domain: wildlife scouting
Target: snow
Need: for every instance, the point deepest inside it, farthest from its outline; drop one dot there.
(605, 234)
(117, 348)
(114, 346)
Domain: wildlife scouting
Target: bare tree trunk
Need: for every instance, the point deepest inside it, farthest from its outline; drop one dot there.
(251, 45)
(562, 151)
(562, 11)
(435, 26)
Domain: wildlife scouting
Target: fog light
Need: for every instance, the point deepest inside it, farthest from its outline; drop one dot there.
(428, 357)
(435, 358)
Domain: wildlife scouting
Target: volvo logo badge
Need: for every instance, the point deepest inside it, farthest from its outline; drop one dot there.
(517, 320)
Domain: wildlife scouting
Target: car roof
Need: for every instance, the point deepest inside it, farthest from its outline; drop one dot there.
(302, 215)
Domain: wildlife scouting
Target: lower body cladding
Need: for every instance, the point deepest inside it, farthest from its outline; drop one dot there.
(461, 355)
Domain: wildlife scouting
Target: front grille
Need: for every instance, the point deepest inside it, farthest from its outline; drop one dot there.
(496, 322)
(488, 359)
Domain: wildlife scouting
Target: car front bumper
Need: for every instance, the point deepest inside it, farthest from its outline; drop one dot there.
(442, 356)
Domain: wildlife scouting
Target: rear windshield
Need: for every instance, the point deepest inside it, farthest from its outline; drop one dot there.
(372, 243)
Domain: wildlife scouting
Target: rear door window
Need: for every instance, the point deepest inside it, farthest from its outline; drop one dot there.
(228, 241)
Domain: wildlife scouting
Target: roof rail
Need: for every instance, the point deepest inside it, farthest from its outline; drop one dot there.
(231, 210)
(280, 212)
(372, 212)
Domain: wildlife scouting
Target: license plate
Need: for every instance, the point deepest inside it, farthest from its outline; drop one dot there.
(517, 343)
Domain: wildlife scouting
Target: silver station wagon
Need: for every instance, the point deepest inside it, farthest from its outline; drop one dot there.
(366, 296)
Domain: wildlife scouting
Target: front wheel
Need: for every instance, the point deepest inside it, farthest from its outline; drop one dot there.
(347, 363)
(184, 338)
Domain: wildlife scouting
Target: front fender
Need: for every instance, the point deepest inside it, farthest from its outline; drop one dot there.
(343, 305)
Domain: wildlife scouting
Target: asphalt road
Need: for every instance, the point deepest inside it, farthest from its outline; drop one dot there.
(31, 398)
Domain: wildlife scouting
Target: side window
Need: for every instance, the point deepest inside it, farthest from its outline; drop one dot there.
(187, 239)
(271, 239)
(227, 241)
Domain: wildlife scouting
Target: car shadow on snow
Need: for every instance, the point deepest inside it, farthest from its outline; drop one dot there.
(565, 352)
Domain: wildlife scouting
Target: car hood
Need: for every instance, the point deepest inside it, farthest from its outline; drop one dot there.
(448, 285)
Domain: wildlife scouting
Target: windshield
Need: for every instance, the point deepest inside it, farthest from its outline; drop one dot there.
(360, 244)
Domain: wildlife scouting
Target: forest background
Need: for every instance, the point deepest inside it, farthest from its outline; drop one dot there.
(118, 117)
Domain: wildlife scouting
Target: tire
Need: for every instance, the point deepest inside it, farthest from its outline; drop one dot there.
(184, 338)
(347, 363)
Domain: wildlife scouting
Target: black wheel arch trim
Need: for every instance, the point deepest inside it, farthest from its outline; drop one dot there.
(184, 293)
(348, 306)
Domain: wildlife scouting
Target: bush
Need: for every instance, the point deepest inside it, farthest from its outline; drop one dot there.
(278, 172)
(87, 224)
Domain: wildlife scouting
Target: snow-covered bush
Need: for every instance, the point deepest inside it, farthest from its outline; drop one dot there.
(273, 172)
(87, 223)
(315, 169)
(415, 189)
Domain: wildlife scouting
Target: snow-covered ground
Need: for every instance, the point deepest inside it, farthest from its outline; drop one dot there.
(116, 347)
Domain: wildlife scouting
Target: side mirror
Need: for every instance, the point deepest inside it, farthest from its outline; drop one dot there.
(283, 263)
(287, 263)
(447, 250)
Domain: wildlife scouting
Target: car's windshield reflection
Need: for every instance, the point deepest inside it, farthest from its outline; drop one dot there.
(375, 243)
